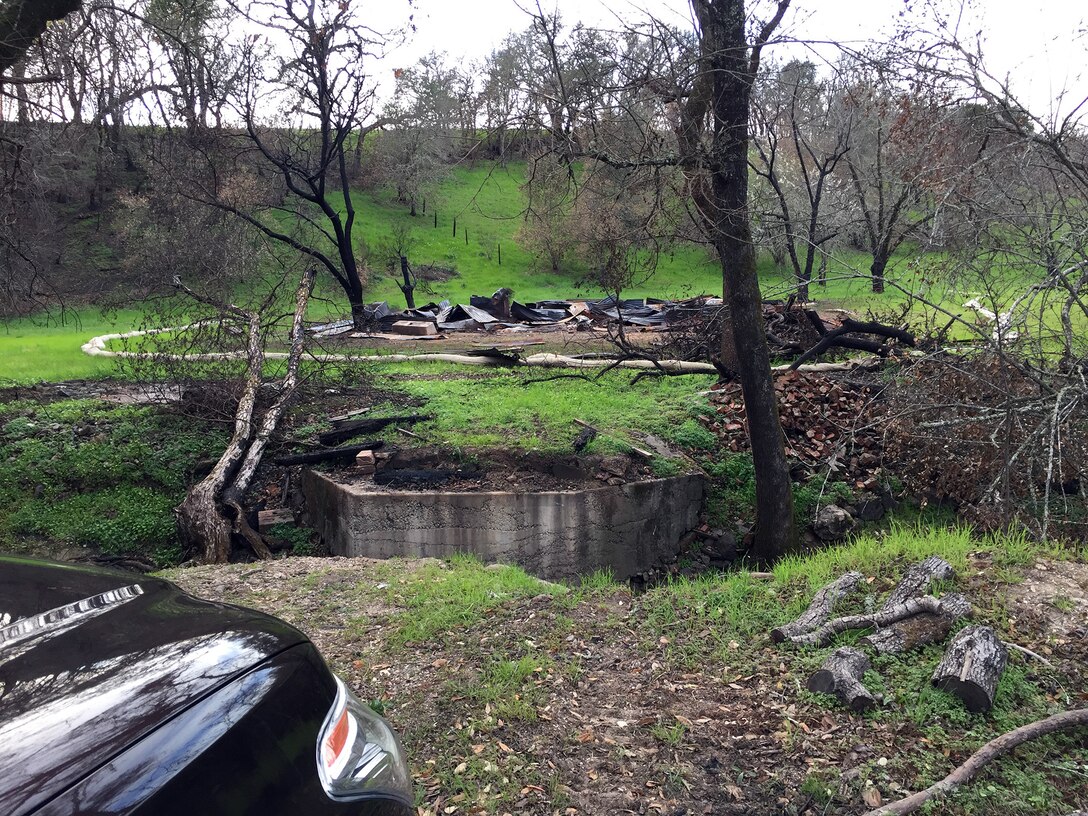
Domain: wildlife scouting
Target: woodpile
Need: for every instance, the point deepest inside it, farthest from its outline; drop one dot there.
(908, 619)
(828, 422)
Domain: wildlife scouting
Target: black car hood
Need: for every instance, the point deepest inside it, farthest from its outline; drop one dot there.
(92, 660)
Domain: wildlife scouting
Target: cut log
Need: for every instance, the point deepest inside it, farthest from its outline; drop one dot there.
(270, 518)
(951, 604)
(820, 609)
(841, 675)
(917, 579)
(414, 328)
(312, 458)
(912, 633)
(358, 427)
(972, 666)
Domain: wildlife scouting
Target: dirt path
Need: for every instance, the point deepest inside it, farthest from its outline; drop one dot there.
(569, 704)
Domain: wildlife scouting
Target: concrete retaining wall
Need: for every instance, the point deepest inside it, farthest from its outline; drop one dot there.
(553, 535)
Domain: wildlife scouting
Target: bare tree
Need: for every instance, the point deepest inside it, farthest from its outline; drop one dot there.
(301, 111)
(900, 144)
(694, 130)
(799, 141)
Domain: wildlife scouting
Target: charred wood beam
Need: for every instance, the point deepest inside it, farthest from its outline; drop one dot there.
(347, 452)
(346, 430)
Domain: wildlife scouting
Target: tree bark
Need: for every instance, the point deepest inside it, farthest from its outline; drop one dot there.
(841, 675)
(972, 666)
(912, 633)
(212, 510)
(819, 610)
(731, 64)
(916, 580)
(23, 21)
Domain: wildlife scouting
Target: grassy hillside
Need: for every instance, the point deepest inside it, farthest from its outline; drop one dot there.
(488, 202)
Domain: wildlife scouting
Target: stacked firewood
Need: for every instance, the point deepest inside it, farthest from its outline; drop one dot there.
(828, 423)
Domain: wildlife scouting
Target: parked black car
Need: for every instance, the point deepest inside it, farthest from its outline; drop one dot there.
(121, 694)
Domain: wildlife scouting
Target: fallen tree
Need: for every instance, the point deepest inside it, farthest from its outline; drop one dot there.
(212, 513)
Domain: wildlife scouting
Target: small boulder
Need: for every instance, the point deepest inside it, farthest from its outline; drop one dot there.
(870, 510)
(832, 523)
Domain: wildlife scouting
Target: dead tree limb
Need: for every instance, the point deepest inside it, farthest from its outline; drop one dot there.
(913, 633)
(838, 338)
(841, 675)
(212, 510)
(820, 609)
(951, 604)
(992, 750)
(972, 667)
(312, 458)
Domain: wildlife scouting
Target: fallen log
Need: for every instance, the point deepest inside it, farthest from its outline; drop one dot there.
(951, 604)
(841, 675)
(918, 630)
(913, 633)
(972, 666)
(916, 580)
(820, 609)
(994, 749)
(347, 430)
(347, 452)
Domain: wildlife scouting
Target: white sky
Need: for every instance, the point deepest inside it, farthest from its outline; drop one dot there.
(1040, 45)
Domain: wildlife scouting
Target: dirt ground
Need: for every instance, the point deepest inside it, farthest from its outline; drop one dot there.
(618, 725)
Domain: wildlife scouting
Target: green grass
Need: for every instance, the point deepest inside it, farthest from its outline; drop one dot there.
(444, 599)
(489, 201)
(502, 410)
(89, 474)
(48, 350)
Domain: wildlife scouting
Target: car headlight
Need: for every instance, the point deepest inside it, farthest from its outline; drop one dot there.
(358, 755)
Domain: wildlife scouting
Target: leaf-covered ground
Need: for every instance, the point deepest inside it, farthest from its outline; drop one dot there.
(519, 697)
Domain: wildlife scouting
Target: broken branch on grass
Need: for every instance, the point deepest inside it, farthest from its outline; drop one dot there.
(951, 604)
(992, 750)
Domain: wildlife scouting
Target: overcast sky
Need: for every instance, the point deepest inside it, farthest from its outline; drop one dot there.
(1040, 45)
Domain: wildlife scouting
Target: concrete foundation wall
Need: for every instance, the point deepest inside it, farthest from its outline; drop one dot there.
(553, 535)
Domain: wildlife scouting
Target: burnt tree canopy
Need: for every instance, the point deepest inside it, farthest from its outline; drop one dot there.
(23, 21)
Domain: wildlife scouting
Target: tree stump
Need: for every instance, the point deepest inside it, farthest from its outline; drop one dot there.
(972, 666)
(820, 609)
(841, 675)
